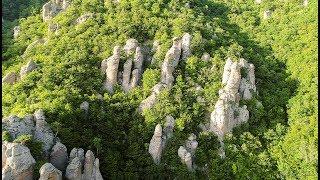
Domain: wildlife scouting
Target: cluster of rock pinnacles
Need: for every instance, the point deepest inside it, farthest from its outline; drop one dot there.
(18, 163)
(227, 113)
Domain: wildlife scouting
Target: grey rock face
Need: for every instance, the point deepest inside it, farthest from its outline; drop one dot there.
(16, 32)
(43, 133)
(170, 62)
(10, 78)
(73, 171)
(112, 69)
(16, 126)
(160, 137)
(135, 78)
(84, 17)
(49, 172)
(130, 46)
(227, 113)
(152, 99)
(52, 8)
(91, 167)
(185, 46)
(186, 153)
(31, 65)
(138, 60)
(18, 163)
(59, 156)
(77, 153)
(156, 144)
(126, 75)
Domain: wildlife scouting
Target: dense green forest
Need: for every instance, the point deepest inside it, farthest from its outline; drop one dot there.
(279, 141)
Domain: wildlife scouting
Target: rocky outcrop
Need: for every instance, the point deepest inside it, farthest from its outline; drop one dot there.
(159, 139)
(84, 18)
(228, 113)
(132, 68)
(34, 44)
(59, 156)
(73, 171)
(90, 166)
(187, 152)
(170, 62)
(43, 133)
(49, 172)
(16, 32)
(52, 8)
(10, 78)
(185, 46)
(53, 27)
(16, 126)
(17, 162)
(111, 64)
(29, 67)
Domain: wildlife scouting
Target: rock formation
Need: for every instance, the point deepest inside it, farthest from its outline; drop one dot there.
(16, 126)
(30, 66)
(17, 162)
(228, 113)
(84, 106)
(185, 46)
(16, 32)
(305, 3)
(43, 133)
(52, 8)
(34, 44)
(187, 152)
(111, 64)
(53, 27)
(258, 1)
(10, 78)
(59, 156)
(178, 48)
(73, 171)
(160, 137)
(49, 172)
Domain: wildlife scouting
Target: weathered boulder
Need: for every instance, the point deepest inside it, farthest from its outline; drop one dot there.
(16, 126)
(112, 69)
(205, 57)
(84, 18)
(19, 162)
(16, 32)
(186, 157)
(131, 45)
(226, 71)
(84, 106)
(43, 133)
(185, 46)
(52, 8)
(49, 172)
(75, 152)
(59, 156)
(91, 167)
(10, 78)
(168, 127)
(152, 99)
(156, 144)
(74, 168)
(31, 65)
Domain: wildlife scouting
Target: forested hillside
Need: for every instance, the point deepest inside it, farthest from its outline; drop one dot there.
(279, 140)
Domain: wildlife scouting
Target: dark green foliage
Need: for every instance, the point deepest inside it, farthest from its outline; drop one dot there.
(6, 136)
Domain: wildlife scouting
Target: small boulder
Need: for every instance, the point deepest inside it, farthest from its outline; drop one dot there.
(31, 65)
(10, 78)
(73, 171)
(49, 172)
(59, 156)
(16, 32)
